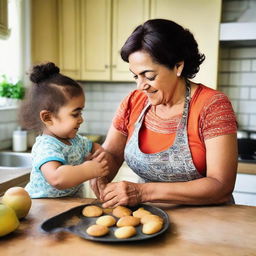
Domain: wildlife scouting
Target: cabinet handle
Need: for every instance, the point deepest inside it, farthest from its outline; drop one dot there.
(106, 66)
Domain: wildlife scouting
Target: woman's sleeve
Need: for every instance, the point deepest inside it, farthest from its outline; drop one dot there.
(218, 117)
(121, 118)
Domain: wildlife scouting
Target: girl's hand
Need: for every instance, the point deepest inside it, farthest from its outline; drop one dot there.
(121, 193)
(98, 185)
(102, 169)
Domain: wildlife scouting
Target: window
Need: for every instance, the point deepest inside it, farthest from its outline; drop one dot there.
(3, 18)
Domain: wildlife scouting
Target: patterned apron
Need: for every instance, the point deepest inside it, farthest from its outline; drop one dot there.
(172, 165)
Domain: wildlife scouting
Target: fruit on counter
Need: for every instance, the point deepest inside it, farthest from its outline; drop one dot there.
(18, 199)
(8, 220)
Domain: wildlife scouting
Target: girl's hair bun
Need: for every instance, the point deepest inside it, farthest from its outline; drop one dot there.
(43, 72)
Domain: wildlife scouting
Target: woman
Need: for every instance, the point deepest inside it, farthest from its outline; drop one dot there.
(178, 136)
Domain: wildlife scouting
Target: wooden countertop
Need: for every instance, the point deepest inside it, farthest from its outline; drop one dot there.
(211, 230)
(246, 168)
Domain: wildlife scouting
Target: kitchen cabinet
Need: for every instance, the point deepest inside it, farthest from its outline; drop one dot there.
(90, 34)
(3, 18)
(245, 189)
(202, 18)
(44, 31)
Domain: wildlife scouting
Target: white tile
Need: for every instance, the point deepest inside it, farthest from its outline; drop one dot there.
(2, 132)
(224, 53)
(8, 115)
(246, 65)
(254, 65)
(234, 65)
(243, 119)
(234, 92)
(114, 96)
(234, 6)
(91, 115)
(95, 95)
(224, 66)
(224, 89)
(235, 105)
(244, 93)
(248, 79)
(223, 79)
(235, 79)
(253, 93)
(243, 52)
(252, 121)
(247, 107)
(107, 116)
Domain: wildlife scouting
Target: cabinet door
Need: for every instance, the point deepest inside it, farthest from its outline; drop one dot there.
(127, 15)
(202, 18)
(95, 39)
(69, 37)
(44, 31)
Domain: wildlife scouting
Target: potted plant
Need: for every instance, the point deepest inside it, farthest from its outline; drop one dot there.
(10, 93)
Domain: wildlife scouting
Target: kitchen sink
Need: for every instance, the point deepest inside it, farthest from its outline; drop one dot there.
(15, 160)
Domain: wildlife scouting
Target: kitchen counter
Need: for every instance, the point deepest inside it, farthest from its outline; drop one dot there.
(212, 230)
(10, 178)
(246, 168)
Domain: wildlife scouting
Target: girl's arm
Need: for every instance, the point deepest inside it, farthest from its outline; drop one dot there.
(66, 176)
(216, 187)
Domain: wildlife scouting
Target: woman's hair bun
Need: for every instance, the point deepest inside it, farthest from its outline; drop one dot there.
(43, 72)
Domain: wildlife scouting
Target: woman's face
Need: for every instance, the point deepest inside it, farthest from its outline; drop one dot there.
(159, 83)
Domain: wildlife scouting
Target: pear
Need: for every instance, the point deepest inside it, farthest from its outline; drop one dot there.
(18, 199)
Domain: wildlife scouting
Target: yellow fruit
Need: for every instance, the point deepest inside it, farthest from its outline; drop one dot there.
(18, 199)
(8, 220)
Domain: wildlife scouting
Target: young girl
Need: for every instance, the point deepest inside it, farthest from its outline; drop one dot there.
(54, 107)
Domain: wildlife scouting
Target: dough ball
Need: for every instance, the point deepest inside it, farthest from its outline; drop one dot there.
(140, 212)
(128, 221)
(92, 211)
(107, 210)
(151, 217)
(106, 220)
(152, 227)
(121, 211)
(97, 230)
(125, 232)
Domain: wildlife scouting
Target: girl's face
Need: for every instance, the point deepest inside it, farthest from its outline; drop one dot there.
(66, 123)
(159, 83)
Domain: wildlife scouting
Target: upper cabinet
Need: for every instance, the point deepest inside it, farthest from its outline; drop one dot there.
(89, 34)
(3, 18)
(202, 18)
(44, 24)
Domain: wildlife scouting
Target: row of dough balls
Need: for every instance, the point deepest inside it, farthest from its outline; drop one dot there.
(126, 224)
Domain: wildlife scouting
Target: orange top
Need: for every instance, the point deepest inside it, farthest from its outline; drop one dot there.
(210, 115)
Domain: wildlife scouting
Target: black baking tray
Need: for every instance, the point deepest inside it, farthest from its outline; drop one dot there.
(73, 221)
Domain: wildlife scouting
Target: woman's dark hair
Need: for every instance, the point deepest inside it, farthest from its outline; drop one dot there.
(167, 43)
(50, 90)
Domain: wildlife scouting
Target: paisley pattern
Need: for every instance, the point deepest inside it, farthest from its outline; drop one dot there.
(172, 165)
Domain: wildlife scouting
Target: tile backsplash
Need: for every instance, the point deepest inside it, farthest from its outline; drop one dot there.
(102, 100)
(237, 79)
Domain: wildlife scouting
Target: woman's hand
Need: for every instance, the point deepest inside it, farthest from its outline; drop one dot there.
(121, 193)
(97, 185)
